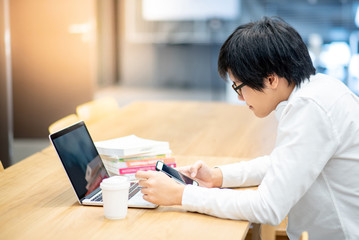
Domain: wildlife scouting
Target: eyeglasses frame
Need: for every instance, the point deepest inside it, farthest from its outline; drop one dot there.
(238, 89)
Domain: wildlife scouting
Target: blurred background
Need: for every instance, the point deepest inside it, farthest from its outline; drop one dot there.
(55, 55)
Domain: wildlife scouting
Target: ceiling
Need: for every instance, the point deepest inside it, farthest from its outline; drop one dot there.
(332, 19)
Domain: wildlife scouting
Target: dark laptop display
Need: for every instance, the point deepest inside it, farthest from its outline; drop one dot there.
(80, 158)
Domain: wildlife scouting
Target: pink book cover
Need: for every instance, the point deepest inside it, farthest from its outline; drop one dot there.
(142, 168)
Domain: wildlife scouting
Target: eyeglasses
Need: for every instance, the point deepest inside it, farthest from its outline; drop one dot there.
(238, 89)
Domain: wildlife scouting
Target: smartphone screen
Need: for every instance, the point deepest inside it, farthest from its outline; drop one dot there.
(173, 173)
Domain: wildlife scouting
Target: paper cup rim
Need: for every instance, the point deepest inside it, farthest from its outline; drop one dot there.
(115, 183)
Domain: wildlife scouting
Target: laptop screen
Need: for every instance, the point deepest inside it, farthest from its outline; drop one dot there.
(80, 158)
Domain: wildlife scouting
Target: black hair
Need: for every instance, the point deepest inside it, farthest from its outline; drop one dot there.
(258, 49)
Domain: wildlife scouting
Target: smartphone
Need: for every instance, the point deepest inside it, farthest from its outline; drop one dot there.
(176, 175)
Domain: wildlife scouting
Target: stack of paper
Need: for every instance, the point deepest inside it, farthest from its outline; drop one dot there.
(127, 155)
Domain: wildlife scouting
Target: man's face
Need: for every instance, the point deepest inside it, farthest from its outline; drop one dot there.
(262, 103)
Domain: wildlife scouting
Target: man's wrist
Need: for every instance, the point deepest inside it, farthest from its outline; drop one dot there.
(217, 177)
(180, 192)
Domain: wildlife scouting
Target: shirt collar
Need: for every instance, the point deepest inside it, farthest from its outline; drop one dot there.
(281, 106)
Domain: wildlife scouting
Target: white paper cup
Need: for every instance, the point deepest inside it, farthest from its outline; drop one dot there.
(115, 196)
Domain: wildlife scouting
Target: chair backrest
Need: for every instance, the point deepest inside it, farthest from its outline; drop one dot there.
(93, 111)
(304, 236)
(63, 122)
(1, 167)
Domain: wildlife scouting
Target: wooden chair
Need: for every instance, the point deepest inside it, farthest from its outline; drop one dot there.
(281, 229)
(304, 236)
(93, 111)
(268, 232)
(1, 167)
(63, 122)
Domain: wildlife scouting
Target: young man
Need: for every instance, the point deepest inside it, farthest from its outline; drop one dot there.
(312, 175)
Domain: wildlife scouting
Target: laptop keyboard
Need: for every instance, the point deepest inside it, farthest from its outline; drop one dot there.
(134, 188)
(98, 198)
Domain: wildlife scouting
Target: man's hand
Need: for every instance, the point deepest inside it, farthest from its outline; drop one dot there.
(158, 188)
(204, 175)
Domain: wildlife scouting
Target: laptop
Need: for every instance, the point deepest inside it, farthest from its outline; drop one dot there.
(84, 167)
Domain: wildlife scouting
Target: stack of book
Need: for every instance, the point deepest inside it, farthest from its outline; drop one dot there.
(127, 155)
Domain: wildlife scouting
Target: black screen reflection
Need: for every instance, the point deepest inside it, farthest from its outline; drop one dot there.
(81, 160)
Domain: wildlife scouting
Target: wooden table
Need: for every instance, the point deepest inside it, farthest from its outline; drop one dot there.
(193, 128)
(37, 201)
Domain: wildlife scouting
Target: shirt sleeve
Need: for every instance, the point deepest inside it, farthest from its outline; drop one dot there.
(245, 173)
(305, 143)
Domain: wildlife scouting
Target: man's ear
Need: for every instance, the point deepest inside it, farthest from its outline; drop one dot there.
(272, 81)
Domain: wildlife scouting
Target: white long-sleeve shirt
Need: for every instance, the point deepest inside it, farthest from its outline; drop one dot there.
(312, 175)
